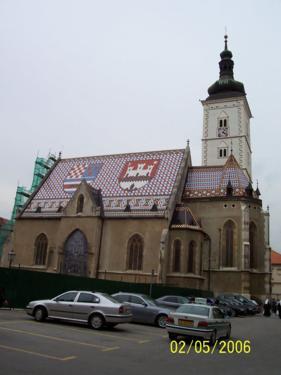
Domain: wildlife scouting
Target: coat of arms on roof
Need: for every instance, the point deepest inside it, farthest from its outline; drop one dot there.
(137, 173)
(78, 173)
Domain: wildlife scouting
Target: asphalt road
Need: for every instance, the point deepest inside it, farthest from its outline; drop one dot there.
(28, 347)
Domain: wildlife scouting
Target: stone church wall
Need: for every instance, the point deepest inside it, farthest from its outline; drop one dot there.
(114, 250)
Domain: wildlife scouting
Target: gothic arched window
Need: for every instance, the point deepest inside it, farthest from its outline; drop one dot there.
(191, 257)
(40, 253)
(253, 244)
(228, 244)
(177, 256)
(135, 253)
(80, 204)
(75, 260)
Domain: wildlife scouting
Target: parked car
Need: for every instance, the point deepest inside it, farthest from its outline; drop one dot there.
(226, 308)
(250, 305)
(200, 300)
(235, 305)
(171, 302)
(199, 321)
(144, 308)
(259, 306)
(96, 309)
(210, 301)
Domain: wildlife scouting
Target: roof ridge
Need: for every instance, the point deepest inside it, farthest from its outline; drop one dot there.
(124, 154)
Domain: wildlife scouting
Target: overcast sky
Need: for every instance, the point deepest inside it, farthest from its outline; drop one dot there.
(116, 76)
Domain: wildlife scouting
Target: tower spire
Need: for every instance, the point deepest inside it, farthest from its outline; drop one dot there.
(226, 86)
(225, 41)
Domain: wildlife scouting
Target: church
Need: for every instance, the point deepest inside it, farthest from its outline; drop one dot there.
(153, 216)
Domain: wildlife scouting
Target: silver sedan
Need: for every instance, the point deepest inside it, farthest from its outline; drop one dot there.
(144, 308)
(96, 309)
(200, 321)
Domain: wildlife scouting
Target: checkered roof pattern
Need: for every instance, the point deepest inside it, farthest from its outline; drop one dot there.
(52, 194)
(212, 181)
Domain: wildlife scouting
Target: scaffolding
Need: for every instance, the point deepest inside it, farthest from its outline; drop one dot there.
(41, 168)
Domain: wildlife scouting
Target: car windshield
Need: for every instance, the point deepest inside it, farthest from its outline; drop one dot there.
(242, 299)
(194, 310)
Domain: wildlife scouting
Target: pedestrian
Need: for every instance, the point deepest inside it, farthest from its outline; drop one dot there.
(279, 308)
(267, 308)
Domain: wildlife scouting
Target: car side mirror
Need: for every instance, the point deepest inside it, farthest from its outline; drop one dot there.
(144, 304)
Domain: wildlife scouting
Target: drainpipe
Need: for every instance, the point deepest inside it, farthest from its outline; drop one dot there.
(207, 237)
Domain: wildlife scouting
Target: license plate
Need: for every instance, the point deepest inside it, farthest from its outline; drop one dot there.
(185, 323)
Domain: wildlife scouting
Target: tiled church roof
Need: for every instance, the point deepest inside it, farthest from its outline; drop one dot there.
(275, 257)
(138, 179)
(212, 181)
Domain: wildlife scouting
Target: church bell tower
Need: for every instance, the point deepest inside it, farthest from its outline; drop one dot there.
(226, 122)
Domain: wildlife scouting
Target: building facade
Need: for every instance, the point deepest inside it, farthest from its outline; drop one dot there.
(276, 274)
(152, 215)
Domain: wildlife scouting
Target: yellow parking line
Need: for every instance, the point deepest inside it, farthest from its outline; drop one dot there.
(38, 354)
(149, 333)
(57, 338)
(146, 333)
(96, 333)
(110, 349)
(134, 339)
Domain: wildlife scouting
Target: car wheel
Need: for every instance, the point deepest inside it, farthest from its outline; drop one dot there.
(96, 321)
(213, 338)
(40, 314)
(228, 332)
(161, 320)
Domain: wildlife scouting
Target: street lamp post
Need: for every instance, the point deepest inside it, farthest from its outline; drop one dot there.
(11, 256)
(151, 282)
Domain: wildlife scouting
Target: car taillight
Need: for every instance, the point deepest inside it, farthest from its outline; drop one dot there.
(203, 323)
(170, 320)
(121, 309)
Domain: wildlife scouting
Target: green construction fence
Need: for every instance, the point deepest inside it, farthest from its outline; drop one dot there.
(21, 286)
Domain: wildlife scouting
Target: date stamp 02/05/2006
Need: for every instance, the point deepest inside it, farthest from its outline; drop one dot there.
(204, 347)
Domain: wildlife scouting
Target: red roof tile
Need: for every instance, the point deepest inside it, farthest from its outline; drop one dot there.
(275, 257)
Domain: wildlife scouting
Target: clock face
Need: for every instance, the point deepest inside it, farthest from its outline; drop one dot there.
(222, 132)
